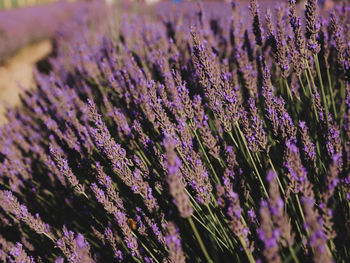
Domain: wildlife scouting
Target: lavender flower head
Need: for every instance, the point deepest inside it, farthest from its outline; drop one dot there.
(175, 180)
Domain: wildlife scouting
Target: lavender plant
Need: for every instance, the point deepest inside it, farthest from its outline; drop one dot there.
(185, 139)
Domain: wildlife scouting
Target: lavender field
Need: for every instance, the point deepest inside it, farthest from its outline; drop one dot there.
(188, 132)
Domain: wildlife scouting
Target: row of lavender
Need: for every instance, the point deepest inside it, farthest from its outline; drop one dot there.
(185, 139)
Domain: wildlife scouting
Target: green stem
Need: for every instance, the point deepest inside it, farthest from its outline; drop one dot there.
(251, 159)
(206, 157)
(221, 227)
(211, 232)
(288, 89)
(300, 209)
(331, 92)
(222, 163)
(233, 139)
(311, 76)
(51, 238)
(302, 85)
(297, 223)
(296, 260)
(342, 106)
(249, 255)
(312, 99)
(257, 157)
(197, 208)
(83, 193)
(278, 179)
(322, 88)
(194, 203)
(201, 244)
(145, 247)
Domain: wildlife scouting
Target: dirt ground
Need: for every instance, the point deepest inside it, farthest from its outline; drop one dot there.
(17, 73)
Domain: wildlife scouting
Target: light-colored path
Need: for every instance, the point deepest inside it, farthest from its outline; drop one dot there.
(17, 72)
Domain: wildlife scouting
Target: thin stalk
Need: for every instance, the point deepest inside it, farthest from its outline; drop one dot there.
(211, 232)
(332, 245)
(255, 154)
(241, 147)
(311, 76)
(249, 255)
(319, 157)
(300, 209)
(198, 237)
(206, 157)
(128, 250)
(222, 228)
(312, 99)
(144, 156)
(322, 88)
(189, 168)
(302, 85)
(212, 219)
(342, 107)
(296, 223)
(288, 89)
(329, 251)
(222, 163)
(48, 236)
(82, 193)
(331, 92)
(251, 158)
(296, 260)
(145, 247)
(197, 208)
(194, 203)
(233, 139)
(278, 179)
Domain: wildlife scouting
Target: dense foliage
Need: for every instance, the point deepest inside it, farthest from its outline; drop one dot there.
(185, 139)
